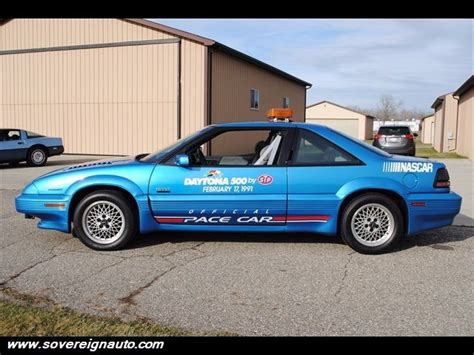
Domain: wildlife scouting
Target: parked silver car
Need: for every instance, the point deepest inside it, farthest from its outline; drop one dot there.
(396, 140)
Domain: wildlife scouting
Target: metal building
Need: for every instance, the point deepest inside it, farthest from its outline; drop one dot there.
(354, 123)
(127, 86)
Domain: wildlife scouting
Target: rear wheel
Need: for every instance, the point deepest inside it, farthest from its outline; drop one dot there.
(37, 156)
(104, 220)
(372, 224)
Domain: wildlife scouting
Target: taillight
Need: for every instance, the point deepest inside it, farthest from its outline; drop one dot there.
(442, 178)
(378, 136)
(409, 136)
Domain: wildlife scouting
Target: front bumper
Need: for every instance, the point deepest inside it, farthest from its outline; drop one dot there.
(56, 150)
(429, 211)
(52, 210)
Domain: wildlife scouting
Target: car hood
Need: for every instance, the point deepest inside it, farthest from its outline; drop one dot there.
(59, 181)
(93, 164)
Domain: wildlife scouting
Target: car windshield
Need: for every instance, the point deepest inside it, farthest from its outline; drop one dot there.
(363, 144)
(394, 131)
(158, 154)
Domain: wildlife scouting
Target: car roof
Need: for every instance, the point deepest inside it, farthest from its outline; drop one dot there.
(265, 124)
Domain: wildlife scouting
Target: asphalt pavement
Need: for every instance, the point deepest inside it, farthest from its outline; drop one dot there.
(246, 283)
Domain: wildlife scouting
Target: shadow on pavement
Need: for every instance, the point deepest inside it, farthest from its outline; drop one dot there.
(437, 237)
(160, 238)
(433, 238)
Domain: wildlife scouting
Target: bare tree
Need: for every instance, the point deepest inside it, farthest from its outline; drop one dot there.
(387, 108)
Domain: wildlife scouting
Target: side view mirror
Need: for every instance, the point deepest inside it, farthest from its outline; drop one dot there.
(415, 134)
(182, 160)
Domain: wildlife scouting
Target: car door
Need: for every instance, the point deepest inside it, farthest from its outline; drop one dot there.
(224, 192)
(12, 145)
(317, 171)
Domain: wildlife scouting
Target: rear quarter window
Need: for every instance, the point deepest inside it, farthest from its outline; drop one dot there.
(33, 135)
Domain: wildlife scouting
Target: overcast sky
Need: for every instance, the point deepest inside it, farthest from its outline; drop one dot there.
(354, 62)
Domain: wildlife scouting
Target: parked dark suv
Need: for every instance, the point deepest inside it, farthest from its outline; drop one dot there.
(395, 140)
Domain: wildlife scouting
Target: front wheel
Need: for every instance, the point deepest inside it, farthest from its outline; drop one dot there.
(104, 220)
(372, 224)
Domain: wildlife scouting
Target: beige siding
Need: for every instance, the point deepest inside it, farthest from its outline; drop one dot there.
(100, 101)
(427, 127)
(438, 128)
(40, 33)
(450, 108)
(232, 80)
(120, 100)
(345, 125)
(369, 128)
(465, 121)
(342, 119)
(446, 124)
(193, 87)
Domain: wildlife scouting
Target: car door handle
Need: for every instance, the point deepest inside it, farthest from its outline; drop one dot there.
(20, 143)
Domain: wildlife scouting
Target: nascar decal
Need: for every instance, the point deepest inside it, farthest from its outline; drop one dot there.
(407, 167)
(215, 181)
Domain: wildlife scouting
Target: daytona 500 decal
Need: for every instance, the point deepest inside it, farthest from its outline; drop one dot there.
(215, 181)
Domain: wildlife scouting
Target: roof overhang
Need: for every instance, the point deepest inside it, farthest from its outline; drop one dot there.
(216, 46)
(345, 108)
(437, 102)
(468, 84)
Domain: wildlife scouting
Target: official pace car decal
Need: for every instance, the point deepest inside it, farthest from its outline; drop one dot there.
(407, 167)
(215, 181)
(237, 216)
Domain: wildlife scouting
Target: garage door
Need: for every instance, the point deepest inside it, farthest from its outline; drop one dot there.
(107, 100)
(349, 126)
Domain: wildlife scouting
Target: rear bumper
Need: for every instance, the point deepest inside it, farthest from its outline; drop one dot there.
(56, 150)
(428, 211)
(406, 150)
(52, 210)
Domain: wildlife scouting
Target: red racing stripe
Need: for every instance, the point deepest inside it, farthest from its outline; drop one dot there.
(169, 220)
(308, 218)
(300, 218)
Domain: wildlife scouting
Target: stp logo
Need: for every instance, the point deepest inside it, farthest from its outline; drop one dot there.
(265, 179)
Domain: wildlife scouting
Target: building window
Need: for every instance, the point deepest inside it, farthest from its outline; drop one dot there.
(286, 102)
(254, 99)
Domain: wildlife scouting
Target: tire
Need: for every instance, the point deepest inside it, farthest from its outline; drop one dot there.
(104, 220)
(366, 218)
(37, 156)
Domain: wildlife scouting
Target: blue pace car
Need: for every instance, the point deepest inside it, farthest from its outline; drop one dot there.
(18, 145)
(277, 176)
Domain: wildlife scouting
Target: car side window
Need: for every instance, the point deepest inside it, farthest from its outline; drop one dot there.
(13, 135)
(249, 147)
(312, 149)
